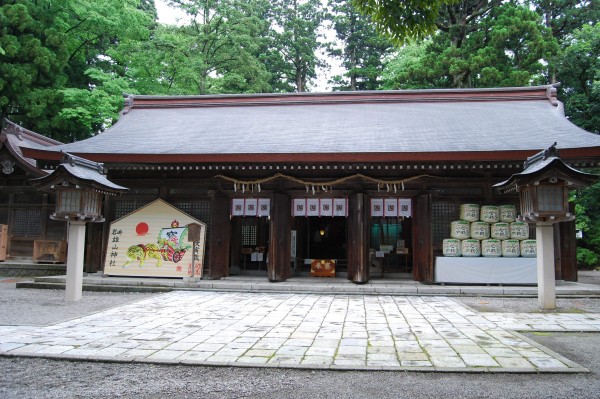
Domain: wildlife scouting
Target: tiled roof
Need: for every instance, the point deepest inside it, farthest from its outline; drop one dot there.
(411, 122)
(15, 138)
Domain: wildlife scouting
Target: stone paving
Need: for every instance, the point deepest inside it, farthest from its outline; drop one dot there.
(304, 330)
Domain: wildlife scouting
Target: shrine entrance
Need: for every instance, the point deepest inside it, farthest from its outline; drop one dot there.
(249, 245)
(319, 238)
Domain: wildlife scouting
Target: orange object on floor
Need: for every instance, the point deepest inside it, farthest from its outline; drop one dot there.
(322, 268)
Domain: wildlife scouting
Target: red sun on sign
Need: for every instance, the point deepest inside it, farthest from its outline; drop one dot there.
(141, 229)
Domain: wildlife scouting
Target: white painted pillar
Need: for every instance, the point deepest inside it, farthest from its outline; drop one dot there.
(545, 266)
(76, 247)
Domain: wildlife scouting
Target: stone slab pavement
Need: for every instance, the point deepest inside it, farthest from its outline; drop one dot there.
(319, 331)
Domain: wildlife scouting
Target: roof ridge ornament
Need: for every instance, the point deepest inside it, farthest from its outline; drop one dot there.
(551, 151)
(74, 160)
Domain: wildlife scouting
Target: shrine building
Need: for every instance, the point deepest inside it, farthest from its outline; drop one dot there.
(349, 184)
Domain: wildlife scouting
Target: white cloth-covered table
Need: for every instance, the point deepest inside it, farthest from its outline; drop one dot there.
(481, 270)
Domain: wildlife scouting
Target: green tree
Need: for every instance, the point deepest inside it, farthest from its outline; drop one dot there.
(508, 46)
(49, 46)
(32, 67)
(587, 209)
(296, 24)
(363, 50)
(221, 39)
(579, 73)
(85, 112)
(402, 20)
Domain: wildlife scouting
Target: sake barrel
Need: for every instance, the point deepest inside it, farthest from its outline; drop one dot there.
(470, 247)
(480, 230)
(519, 231)
(511, 248)
(469, 212)
(500, 231)
(528, 248)
(491, 248)
(460, 229)
(508, 213)
(489, 214)
(451, 247)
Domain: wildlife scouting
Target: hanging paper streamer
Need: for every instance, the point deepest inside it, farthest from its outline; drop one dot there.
(391, 207)
(299, 207)
(326, 206)
(312, 205)
(340, 207)
(264, 207)
(405, 207)
(250, 207)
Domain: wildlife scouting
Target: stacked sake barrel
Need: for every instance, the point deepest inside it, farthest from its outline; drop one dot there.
(489, 230)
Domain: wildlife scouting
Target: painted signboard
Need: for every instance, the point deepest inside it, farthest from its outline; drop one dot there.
(153, 242)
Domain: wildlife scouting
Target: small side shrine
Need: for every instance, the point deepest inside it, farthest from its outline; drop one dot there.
(80, 186)
(543, 188)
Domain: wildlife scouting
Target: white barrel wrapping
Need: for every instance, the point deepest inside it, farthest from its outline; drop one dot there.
(511, 248)
(469, 212)
(460, 229)
(489, 214)
(480, 230)
(508, 213)
(451, 247)
(519, 231)
(470, 248)
(529, 248)
(491, 248)
(500, 231)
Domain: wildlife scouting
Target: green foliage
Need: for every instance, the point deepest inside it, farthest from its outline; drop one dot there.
(509, 48)
(32, 64)
(363, 51)
(93, 109)
(579, 73)
(295, 38)
(587, 210)
(403, 20)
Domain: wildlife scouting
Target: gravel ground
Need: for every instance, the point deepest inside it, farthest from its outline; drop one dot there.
(35, 378)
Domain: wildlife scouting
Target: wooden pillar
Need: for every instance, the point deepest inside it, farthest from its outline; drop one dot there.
(422, 242)
(278, 266)
(218, 256)
(358, 238)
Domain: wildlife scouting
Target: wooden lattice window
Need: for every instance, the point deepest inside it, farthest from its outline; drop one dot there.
(249, 232)
(27, 223)
(123, 208)
(443, 213)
